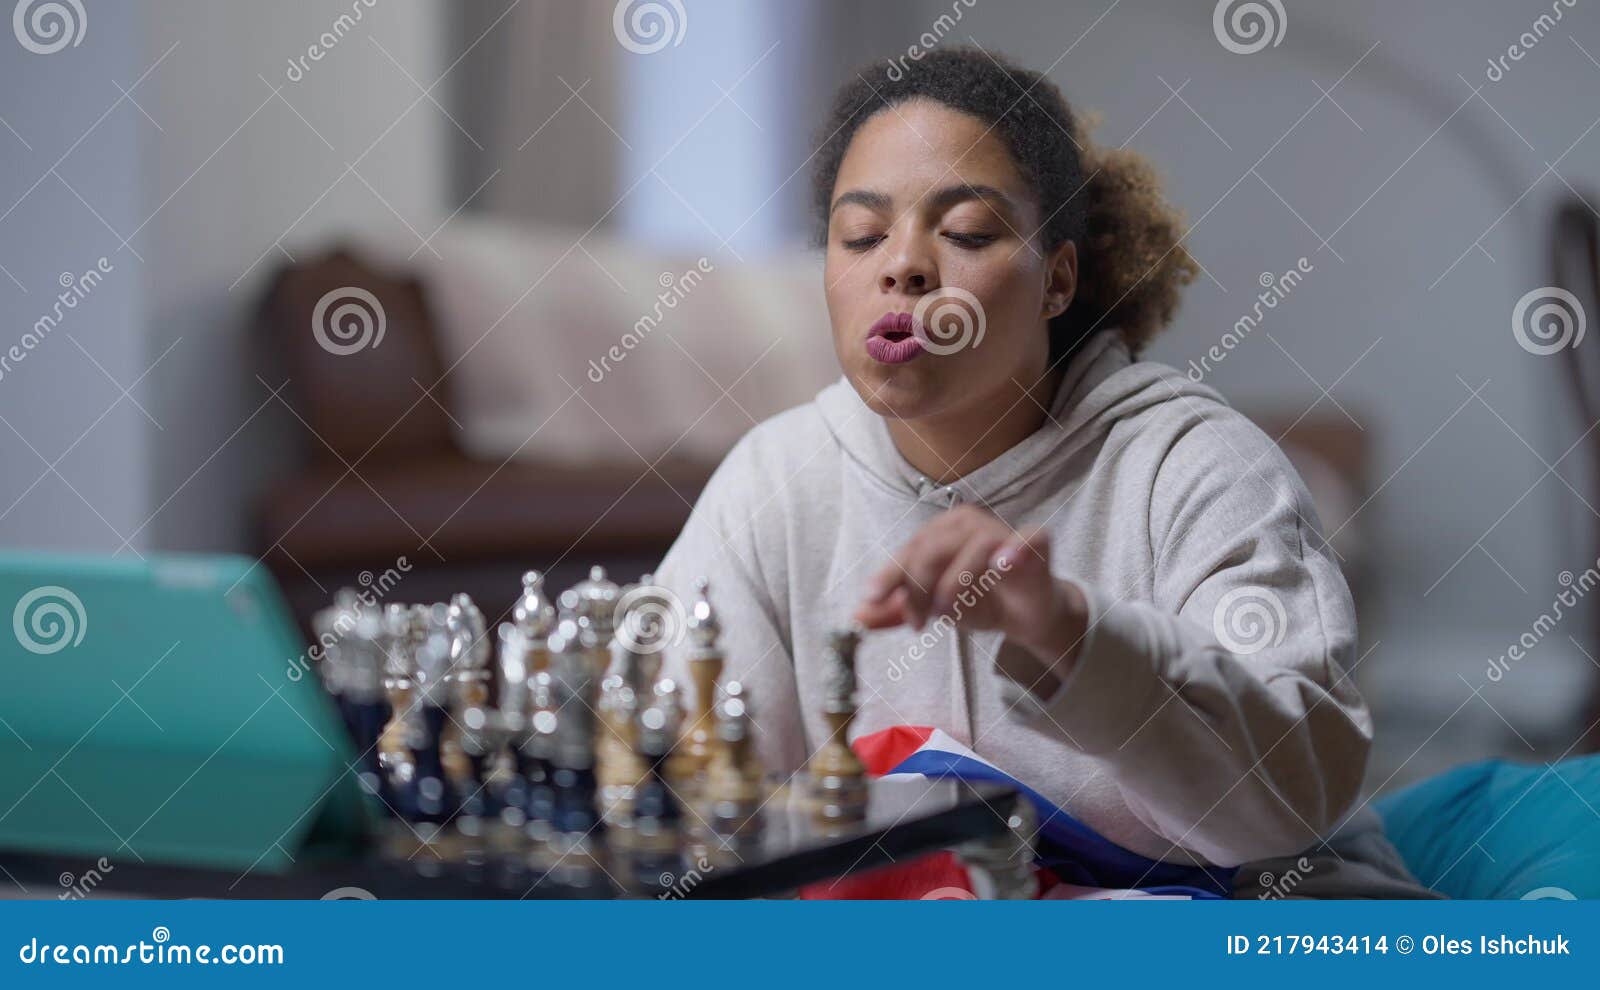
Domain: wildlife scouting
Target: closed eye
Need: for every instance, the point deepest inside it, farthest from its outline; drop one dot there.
(969, 240)
(862, 243)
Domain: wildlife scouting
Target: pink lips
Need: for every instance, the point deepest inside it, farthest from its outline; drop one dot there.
(891, 340)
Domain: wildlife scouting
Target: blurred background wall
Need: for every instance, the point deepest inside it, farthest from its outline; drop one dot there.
(509, 151)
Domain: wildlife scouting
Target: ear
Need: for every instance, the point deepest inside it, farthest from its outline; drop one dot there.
(1061, 279)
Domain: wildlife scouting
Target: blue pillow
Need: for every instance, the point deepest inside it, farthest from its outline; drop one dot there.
(1499, 830)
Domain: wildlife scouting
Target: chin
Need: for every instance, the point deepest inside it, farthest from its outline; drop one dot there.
(904, 391)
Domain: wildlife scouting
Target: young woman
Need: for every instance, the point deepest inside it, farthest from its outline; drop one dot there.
(1086, 568)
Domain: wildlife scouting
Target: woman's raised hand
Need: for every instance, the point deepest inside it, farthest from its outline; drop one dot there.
(969, 566)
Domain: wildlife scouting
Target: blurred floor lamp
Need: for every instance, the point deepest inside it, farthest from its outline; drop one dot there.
(1575, 267)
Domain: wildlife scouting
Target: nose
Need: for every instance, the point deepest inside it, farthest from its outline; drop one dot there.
(910, 269)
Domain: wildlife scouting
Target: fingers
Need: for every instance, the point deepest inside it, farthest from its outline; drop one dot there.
(964, 568)
(883, 614)
(1024, 554)
(917, 567)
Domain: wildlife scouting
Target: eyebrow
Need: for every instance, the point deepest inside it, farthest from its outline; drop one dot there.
(939, 201)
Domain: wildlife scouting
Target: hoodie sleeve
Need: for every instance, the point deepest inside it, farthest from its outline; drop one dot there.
(723, 543)
(1222, 708)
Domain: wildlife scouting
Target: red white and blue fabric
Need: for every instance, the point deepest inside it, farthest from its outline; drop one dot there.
(1070, 858)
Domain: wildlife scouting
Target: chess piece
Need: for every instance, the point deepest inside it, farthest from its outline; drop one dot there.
(330, 625)
(400, 642)
(534, 618)
(576, 834)
(535, 764)
(427, 799)
(468, 739)
(509, 723)
(687, 766)
(734, 791)
(836, 777)
(592, 603)
(655, 863)
(359, 659)
(620, 767)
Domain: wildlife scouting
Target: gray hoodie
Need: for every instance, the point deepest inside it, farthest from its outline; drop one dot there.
(1208, 718)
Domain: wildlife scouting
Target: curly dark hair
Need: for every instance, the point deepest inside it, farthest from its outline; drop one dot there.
(1131, 262)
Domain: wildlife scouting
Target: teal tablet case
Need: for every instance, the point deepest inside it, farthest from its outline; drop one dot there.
(164, 710)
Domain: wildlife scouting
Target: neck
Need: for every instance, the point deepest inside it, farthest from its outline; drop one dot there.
(952, 444)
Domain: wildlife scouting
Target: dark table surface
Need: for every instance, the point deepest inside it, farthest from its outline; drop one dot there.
(906, 817)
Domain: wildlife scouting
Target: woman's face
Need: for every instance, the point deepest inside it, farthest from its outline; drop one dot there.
(938, 287)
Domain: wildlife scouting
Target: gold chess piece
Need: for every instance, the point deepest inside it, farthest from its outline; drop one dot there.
(837, 780)
(688, 764)
(735, 781)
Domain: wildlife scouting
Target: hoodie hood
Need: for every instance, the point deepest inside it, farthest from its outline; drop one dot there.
(1102, 385)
